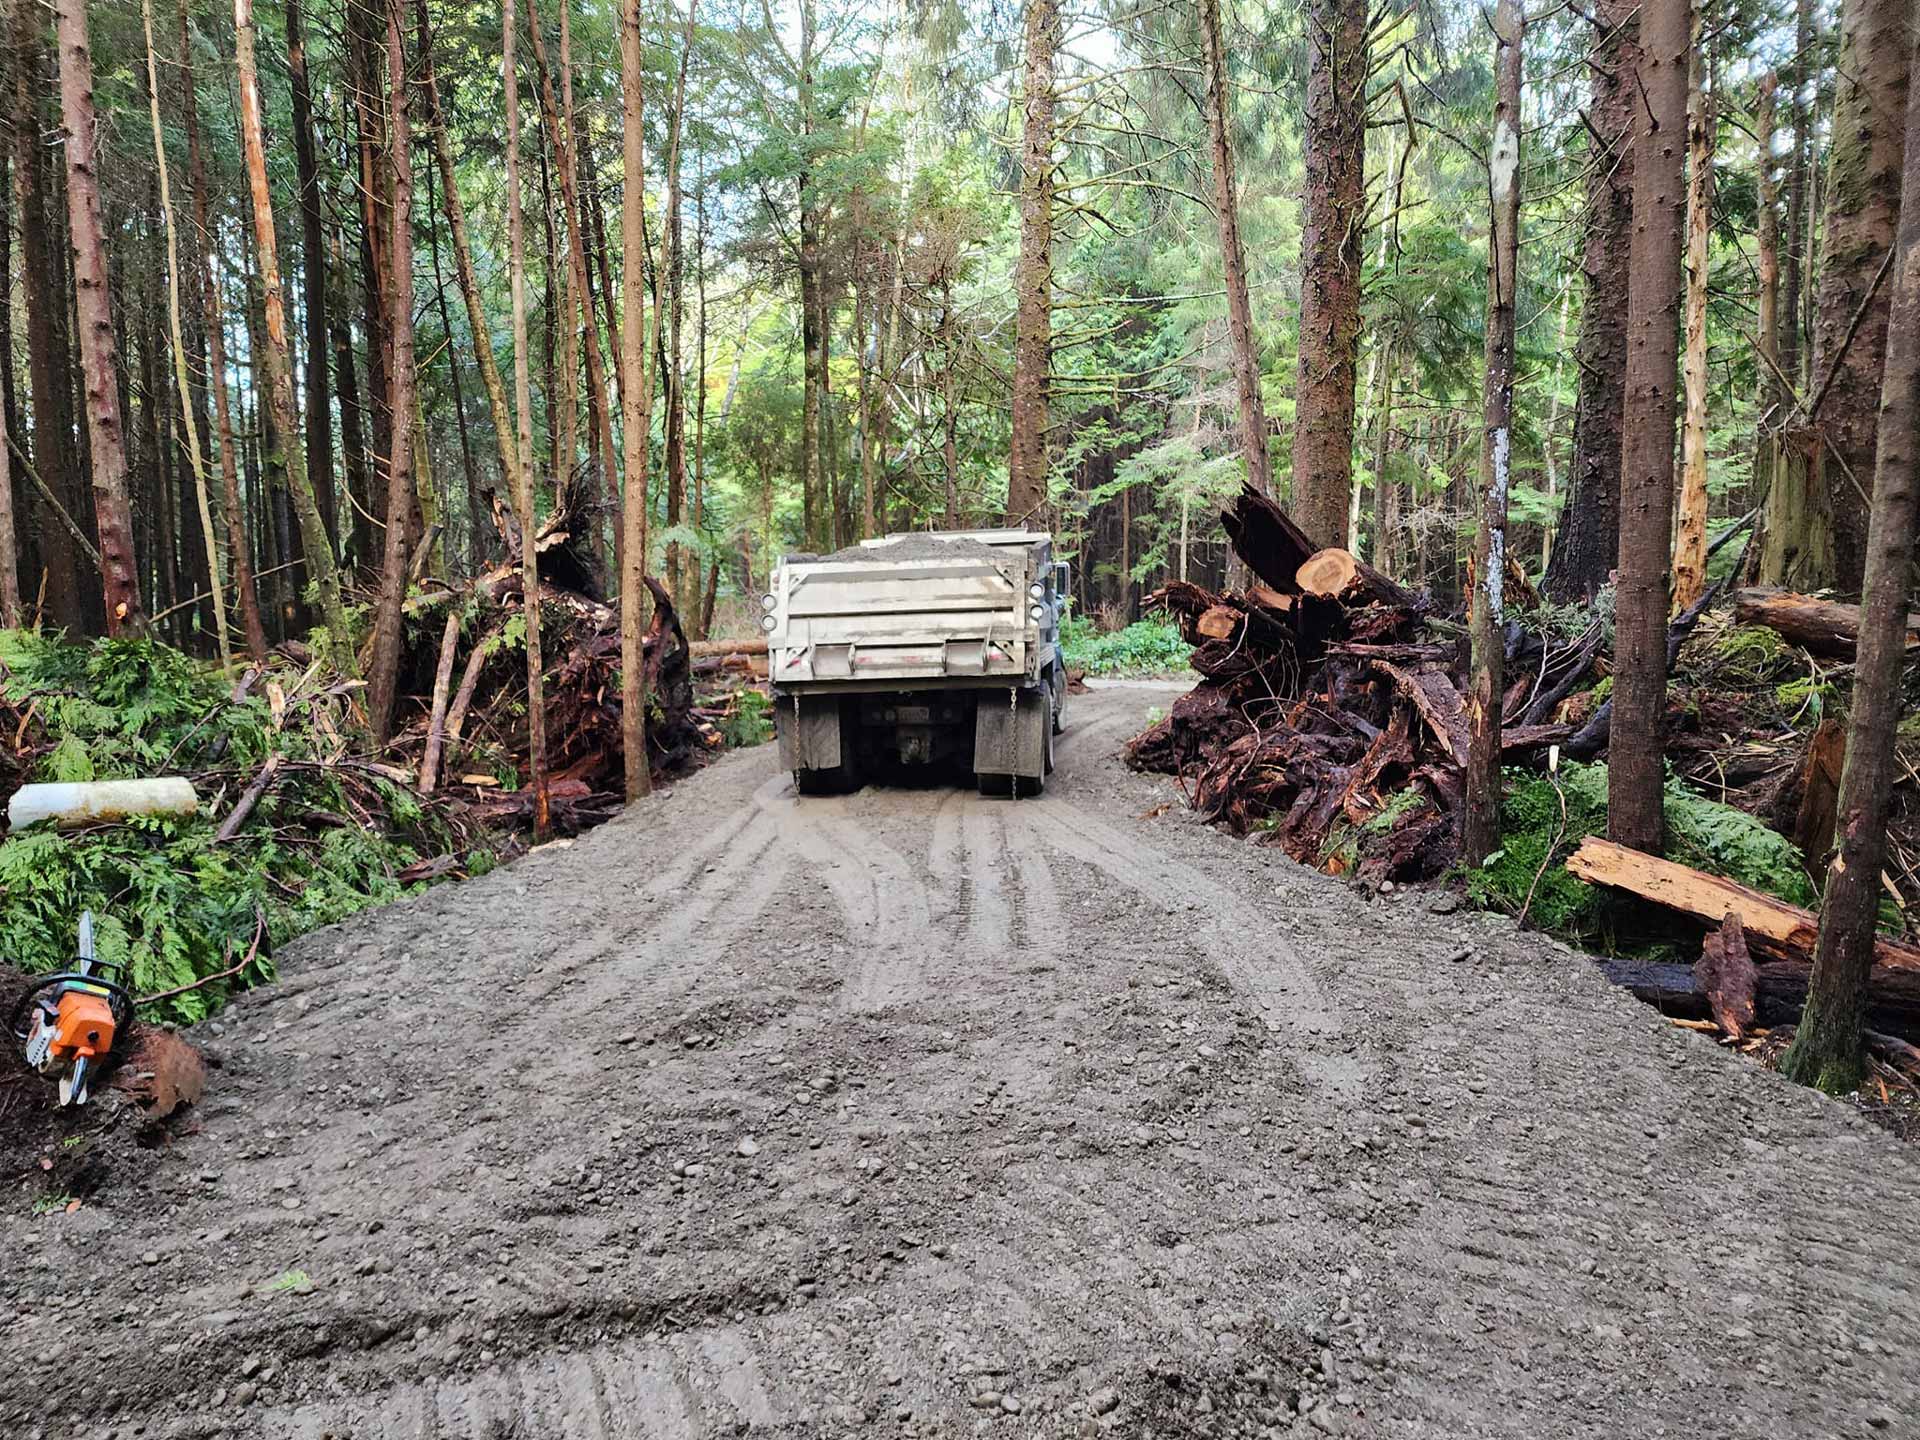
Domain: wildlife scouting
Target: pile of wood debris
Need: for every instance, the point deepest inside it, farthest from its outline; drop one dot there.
(1330, 713)
(466, 738)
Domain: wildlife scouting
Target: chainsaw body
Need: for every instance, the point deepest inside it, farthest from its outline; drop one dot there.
(70, 1021)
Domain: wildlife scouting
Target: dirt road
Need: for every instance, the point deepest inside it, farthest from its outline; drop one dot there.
(912, 1112)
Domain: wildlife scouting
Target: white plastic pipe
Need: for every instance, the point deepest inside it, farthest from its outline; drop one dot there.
(95, 802)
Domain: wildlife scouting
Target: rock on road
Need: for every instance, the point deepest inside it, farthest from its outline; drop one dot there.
(916, 1113)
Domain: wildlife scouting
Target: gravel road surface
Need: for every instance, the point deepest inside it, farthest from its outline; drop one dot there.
(916, 1113)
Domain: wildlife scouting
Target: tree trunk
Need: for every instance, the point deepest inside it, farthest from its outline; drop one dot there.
(467, 469)
(590, 502)
(1636, 757)
(1033, 273)
(521, 475)
(950, 416)
(1384, 508)
(1334, 213)
(1773, 401)
(356, 537)
(1794, 264)
(113, 512)
(182, 384)
(364, 47)
(1826, 1047)
(477, 327)
(321, 570)
(1587, 540)
(246, 596)
(667, 290)
(313, 269)
(387, 621)
(10, 617)
(44, 296)
(1850, 323)
(1246, 354)
(1690, 531)
(636, 418)
(1480, 831)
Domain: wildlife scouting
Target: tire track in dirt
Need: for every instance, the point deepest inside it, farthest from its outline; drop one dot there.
(699, 1383)
(1222, 927)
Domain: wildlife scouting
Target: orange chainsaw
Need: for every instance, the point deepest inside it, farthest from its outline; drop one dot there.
(69, 1021)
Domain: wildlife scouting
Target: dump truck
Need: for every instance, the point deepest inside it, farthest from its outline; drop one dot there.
(915, 651)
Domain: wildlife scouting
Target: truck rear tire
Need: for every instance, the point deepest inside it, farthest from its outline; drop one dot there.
(839, 780)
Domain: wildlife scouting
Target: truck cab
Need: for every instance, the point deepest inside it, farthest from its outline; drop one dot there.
(919, 650)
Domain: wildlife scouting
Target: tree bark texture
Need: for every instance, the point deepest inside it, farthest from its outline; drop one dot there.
(1233, 259)
(1033, 273)
(1330, 251)
(43, 296)
(112, 508)
(637, 405)
(182, 384)
(246, 594)
(1854, 298)
(1636, 756)
(1773, 400)
(313, 276)
(1826, 1048)
(1690, 530)
(522, 472)
(1586, 540)
(1480, 830)
(274, 356)
(387, 618)
(1799, 162)
(592, 501)
(490, 377)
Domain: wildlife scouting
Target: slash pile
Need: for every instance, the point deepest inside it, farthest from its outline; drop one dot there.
(1330, 713)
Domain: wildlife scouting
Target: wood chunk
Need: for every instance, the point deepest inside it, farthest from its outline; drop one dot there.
(1771, 925)
(1819, 809)
(1266, 538)
(1439, 704)
(1337, 574)
(1826, 627)
(161, 1071)
(1725, 971)
(1267, 596)
(1329, 572)
(1217, 622)
(701, 649)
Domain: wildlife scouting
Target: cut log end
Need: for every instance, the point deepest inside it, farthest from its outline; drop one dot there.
(1329, 573)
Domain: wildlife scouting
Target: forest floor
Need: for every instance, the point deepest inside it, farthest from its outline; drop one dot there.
(912, 1112)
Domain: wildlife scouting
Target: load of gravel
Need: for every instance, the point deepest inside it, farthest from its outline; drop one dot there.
(921, 545)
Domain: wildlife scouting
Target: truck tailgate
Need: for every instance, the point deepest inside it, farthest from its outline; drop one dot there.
(900, 621)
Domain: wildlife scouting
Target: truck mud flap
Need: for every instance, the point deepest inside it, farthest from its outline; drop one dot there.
(809, 733)
(1011, 739)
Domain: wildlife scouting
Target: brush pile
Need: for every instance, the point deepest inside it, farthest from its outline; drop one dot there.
(471, 738)
(1331, 712)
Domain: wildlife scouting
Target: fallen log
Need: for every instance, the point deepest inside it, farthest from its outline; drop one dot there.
(1266, 538)
(1825, 627)
(1779, 929)
(1217, 622)
(1780, 992)
(701, 649)
(1337, 574)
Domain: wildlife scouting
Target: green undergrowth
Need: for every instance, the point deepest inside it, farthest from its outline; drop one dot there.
(1702, 833)
(749, 721)
(331, 836)
(1146, 647)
